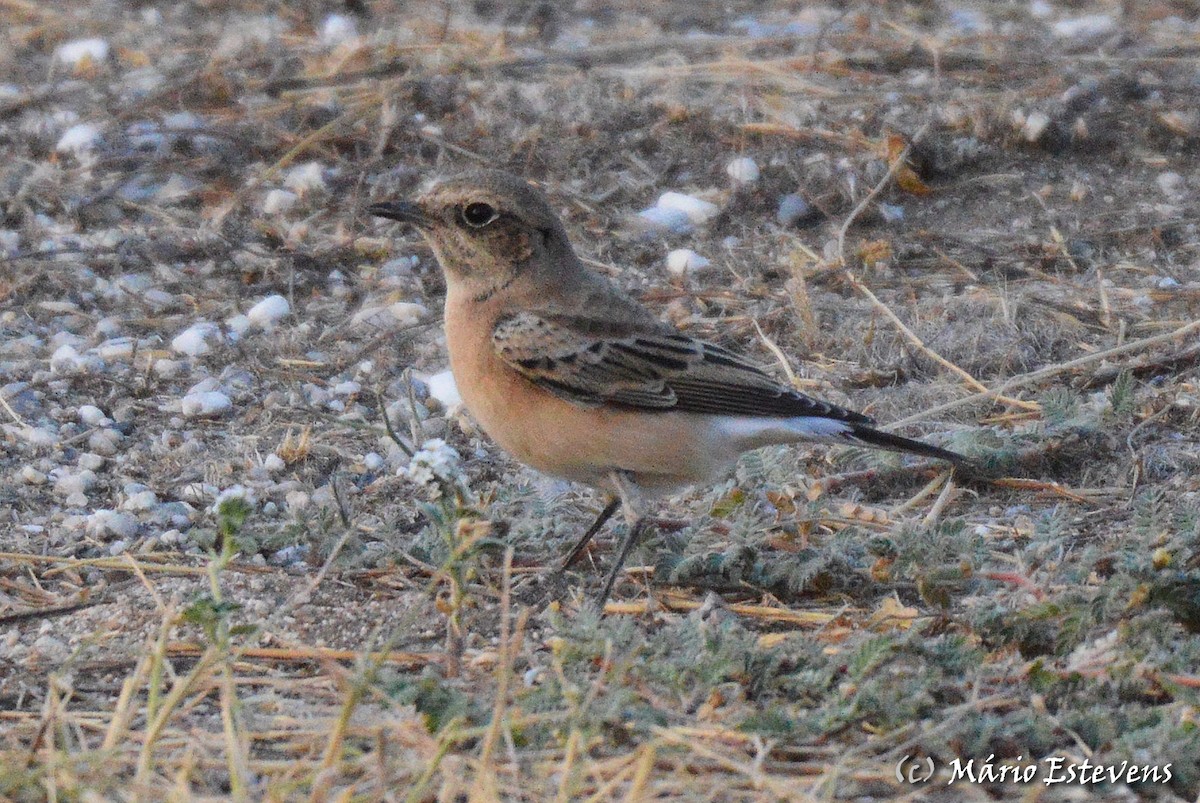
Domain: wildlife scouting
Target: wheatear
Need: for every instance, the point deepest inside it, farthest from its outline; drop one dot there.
(576, 379)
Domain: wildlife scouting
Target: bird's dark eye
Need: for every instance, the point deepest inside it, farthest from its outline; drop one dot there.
(478, 215)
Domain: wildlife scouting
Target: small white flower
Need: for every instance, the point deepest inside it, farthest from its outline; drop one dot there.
(435, 462)
(234, 492)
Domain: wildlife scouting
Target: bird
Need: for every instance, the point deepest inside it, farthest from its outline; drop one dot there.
(572, 376)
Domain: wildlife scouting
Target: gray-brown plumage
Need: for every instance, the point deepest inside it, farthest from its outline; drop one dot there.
(575, 378)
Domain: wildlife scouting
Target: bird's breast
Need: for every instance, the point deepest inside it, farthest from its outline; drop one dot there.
(563, 439)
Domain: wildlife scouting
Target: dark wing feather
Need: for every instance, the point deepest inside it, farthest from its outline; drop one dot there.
(591, 363)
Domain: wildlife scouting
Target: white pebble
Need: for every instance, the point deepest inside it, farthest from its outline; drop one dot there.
(167, 368)
(210, 403)
(89, 461)
(268, 312)
(658, 217)
(65, 360)
(105, 442)
(1171, 183)
(76, 52)
(1035, 125)
(338, 28)
(408, 313)
(142, 500)
(115, 349)
(297, 500)
(31, 476)
(444, 389)
(237, 325)
(1040, 9)
(278, 201)
(743, 170)
(79, 140)
(52, 649)
(792, 209)
(373, 461)
(111, 523)
(683, 261)
(347, 388)
(401, 313)
(10, 242)
(93, 416)
(305, 178)
(194, 341)
(37, 437)
(274, 464)
(697, 209)
(1087, 25)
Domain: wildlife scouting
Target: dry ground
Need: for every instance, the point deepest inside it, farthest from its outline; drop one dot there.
(1024, 286)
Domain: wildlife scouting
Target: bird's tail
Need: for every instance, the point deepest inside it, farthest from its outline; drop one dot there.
(899, 443)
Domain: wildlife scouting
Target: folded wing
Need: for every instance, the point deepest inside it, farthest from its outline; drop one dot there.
(591, 363)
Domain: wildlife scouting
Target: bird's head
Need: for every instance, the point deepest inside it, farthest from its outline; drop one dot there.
(486, 228)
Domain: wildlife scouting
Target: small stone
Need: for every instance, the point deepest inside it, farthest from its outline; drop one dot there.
(657, 217)
(289, 555)
(93, 416)
(89, 461)
(444, 390)
(268, 312)
(337, 29)
(10, 243)
(79, 51)
(50, 648)
(1035, 125)
(1087, 25)
(207, 403)
(195, 340)
(305, 178)
(31, 476)
(105, 442)
(115, 349)
(274, 464)
(697, 210)
(109, 523)
(793, 209)
(140, 501)
(79, 140)
(743, 170)
(277, 201)
(65, 360)
(167, 369)
(399, 314)
(683, 261)
(1170, 183)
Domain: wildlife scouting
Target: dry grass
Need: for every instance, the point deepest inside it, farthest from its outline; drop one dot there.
(1000, 255)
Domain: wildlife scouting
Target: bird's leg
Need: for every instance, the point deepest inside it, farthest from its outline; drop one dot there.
(634, 535)
(629, 497)
(581, 544)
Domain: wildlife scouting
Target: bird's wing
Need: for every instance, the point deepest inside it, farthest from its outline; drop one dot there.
(591, 362)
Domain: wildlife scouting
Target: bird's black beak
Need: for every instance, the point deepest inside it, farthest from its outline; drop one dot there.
(404, 211)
